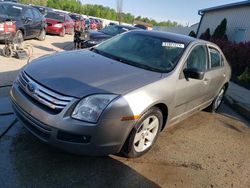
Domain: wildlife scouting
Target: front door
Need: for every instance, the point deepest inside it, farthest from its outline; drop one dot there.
(191, 93)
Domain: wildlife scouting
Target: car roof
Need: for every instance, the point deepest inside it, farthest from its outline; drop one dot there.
(13, 3)
(167, 35)
(126, 26)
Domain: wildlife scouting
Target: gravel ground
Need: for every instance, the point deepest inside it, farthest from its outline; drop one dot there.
(9, 67)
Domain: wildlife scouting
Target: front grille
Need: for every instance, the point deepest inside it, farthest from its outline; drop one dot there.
(51, 99)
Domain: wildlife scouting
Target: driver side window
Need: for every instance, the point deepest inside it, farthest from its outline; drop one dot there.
(197, 59)
(28, 14)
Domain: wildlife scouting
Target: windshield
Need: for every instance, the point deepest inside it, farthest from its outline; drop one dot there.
(10, 10)
(55, 16)
(113, 30)
(144, 51)
(74, 17)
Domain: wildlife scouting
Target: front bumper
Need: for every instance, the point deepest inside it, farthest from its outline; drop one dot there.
(61, 131)
(53, 30)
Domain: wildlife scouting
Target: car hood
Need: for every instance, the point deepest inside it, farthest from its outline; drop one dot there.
(81, 73)
(98, 35)
(53, 21)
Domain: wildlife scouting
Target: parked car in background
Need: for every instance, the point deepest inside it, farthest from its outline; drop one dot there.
(59, 23)
(92, 24)
(119, 95)
(87, 23)
(95, 37)
(99, 24)
(78, 19)
(30, 23)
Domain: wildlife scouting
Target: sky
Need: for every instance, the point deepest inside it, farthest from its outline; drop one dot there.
(181, 11)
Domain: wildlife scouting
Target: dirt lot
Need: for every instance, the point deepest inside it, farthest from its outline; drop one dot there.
(205, 150)
(9, 67)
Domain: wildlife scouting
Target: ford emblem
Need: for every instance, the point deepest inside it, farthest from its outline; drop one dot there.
(31, 87)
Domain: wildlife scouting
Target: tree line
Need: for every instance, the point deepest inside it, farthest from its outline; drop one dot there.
(96, 10)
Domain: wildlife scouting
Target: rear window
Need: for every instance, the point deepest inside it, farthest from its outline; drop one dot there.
(55, 16)
(74, 17)
(215, 58)
(10, 10)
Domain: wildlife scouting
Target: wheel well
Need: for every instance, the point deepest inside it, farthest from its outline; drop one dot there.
(22, 30)
(164, 110)
(226, 85)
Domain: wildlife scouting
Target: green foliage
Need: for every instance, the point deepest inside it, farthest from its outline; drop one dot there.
(206, 35)
(220, 31)
(192, 34)
(100, 11)
(245, 76)
(35, 2)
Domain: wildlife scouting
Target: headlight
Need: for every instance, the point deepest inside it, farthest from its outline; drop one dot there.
(90, 108)
(58, 25)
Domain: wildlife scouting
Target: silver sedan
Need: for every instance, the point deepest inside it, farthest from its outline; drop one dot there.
(118, 96)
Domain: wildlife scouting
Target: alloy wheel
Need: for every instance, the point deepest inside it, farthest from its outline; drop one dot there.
(146, 134)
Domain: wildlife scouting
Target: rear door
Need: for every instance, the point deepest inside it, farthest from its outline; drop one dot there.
(69, 24)
(191, 93)
(28, 19)
(37, 22)
(216, 72)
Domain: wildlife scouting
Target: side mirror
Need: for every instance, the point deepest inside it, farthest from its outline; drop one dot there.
(193, 73)
(28, 20)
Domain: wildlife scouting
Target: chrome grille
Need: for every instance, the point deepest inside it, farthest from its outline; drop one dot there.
(43, 95)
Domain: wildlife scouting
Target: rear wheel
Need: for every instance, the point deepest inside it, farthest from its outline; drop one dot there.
(63, 32)
(72, 31)
(42, 35)
(144, 134)
(217, 101)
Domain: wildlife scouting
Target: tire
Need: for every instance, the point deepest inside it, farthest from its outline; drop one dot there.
(72, 31)
(18, 38)
(62, 34)
(217, 101)
(144, 134)
(7, 51)
(42, 35)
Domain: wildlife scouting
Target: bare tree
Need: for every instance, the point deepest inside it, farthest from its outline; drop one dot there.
(119, 10)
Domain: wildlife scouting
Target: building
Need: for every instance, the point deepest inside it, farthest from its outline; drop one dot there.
(178, 29)
(238, 20)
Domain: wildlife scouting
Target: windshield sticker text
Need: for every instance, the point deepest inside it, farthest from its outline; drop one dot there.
(20, 8)
(173, 45)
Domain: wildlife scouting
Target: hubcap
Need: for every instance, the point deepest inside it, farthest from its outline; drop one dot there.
(146, 134)
(219, 99)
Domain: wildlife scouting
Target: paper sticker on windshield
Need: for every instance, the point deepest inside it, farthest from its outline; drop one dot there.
(173, 45)
(125, 29)
(20, 8)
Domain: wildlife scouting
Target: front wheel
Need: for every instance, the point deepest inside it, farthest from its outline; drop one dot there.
(72, 31)
(144, 134)
(63, 32)
(217, 101)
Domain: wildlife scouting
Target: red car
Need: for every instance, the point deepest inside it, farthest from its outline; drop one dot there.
(93, 24)
(79, 20)
(59, 23)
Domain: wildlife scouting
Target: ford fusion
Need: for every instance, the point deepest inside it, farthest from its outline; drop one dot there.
(119, 95)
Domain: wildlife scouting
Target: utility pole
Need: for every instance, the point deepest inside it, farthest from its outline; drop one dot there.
(119, 10)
